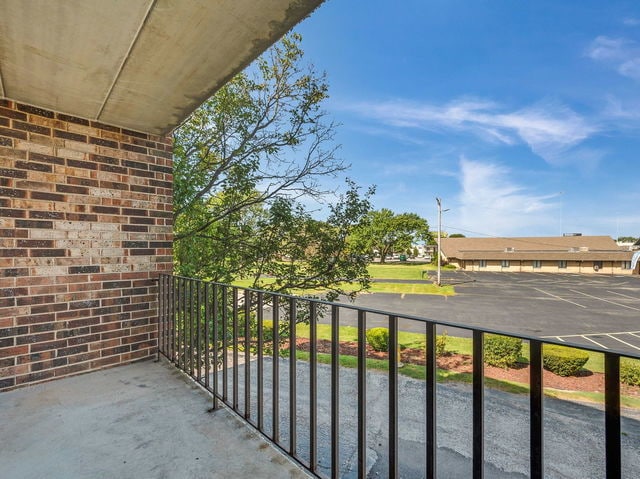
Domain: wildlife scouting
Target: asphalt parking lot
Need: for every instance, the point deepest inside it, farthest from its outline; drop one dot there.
(596, 311)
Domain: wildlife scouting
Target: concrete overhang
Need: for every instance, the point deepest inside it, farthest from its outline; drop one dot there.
(139, 64)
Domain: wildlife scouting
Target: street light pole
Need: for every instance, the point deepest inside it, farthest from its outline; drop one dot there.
(439, 201)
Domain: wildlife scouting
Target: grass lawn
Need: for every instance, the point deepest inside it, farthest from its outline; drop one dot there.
(247, 283)
(418, 372)
(461, 346)
(349, 333)
(381, 272)
(411, 288)
(398, 270)
(401, 270)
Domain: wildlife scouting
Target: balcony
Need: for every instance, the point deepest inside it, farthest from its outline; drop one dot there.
(144, 420)
(218, 403)
(358, 421)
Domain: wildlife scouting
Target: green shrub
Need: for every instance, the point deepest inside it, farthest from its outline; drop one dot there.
(630, 371)
(562, 360)
(378, 338)
(502, 351)
(267, 330)
(441, 344)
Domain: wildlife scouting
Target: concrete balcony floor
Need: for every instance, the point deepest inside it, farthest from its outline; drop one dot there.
(144, 420)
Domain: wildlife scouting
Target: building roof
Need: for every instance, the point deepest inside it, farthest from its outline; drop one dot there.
(140, 64)
(572, 248)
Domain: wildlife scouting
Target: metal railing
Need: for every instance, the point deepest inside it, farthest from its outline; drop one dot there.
(240, 344)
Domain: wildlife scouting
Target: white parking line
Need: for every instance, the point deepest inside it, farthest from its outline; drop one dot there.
(558, 338)
(594, 342)
(633, 333)
(558, 297)
(624, 342)
(605, 300)
(624, 295)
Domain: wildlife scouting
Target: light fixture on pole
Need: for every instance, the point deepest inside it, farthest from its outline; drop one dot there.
(440, 210)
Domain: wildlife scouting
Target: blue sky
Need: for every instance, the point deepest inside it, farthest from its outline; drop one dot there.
(523, 116)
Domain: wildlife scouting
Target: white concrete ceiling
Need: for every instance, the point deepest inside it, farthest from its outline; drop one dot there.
(140, 64)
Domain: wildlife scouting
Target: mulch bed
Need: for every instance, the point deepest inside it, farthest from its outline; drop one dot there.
(587, 381)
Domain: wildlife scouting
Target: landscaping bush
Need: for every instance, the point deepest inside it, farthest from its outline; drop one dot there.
(562, 360)
(630, 371)
(502, 351)
(267, 330)
(378, 338)
(441, 344)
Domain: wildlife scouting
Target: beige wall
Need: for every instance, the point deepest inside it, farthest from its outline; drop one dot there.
(526, 266)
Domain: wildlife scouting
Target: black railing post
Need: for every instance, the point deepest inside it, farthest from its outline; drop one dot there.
(536, 410)
(207, 336)
(174, 318)
(313, 387)
(430, 402)
(478, 404)
(362, 395)
(165, 313)
(393, 396)
(198, 328)
(216, 316)
(160, 319)
(335, 392)
(191, 310)
(225, 344)
(234, 340)
(292, 378)
(612, 415)
(275, 316)
(247, 354)
(260, 352)
(183, 334)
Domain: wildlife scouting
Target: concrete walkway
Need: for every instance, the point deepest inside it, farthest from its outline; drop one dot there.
(139, 421)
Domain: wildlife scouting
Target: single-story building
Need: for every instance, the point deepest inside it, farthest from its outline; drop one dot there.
(556, 254)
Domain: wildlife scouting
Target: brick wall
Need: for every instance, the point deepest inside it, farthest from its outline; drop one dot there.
(85, 227)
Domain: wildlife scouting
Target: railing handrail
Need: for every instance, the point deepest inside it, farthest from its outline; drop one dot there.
(189, 308)
(421, 319)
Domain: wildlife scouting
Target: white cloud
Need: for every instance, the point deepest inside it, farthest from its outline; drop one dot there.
(493, 203)
(631, 22)
(548, 128)
(606, 48)
(631, 68)
(620, 53)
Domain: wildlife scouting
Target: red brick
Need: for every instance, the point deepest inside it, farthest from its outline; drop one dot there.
(69, 314)
(47, 346)
(13, 351)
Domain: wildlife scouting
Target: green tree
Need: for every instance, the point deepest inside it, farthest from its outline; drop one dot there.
(302, 253)
(627, 239)
(385, 232)
(241, 162)
(457, 235)
(262, 136)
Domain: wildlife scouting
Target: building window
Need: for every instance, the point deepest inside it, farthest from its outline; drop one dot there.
(505, 263)
(626, 265)
(562, 264)
(537, 264)
(483, 263)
